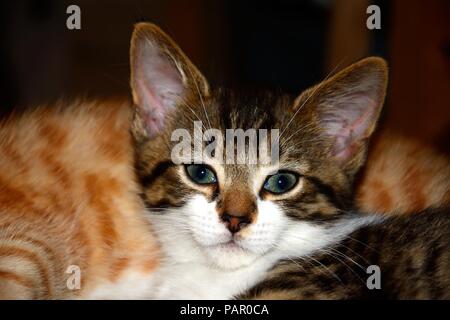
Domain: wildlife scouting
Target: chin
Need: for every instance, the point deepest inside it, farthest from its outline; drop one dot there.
(230, 256)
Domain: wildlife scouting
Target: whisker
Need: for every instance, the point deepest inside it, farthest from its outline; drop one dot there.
(328, 269)
(186, 103)
(356, 253)
(200, 96)
(312, 93)
(298, 130)
(364, 244)
(305, 258)
(346, 265)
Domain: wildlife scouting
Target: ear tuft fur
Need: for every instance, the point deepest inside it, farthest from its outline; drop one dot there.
(347, 107)
(161, 77)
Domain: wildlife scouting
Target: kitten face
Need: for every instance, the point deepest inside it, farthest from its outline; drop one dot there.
(233, 214)
(270, 222)
(235, 219)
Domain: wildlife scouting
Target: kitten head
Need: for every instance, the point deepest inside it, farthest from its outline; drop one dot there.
(232, 213)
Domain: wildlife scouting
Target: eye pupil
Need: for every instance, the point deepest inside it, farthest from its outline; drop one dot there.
(282, 182)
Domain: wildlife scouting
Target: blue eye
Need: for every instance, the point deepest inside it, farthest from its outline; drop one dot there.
(280, 183)
(201, 174)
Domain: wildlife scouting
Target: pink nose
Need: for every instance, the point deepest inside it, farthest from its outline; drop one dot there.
(235, 223)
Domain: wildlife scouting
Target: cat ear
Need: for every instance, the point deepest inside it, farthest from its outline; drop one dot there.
(346, 108)
(161, 77)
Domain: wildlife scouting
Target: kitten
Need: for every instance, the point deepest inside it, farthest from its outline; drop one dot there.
(224, 226)
(71, 220)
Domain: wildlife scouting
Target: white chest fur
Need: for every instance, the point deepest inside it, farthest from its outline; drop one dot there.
(199, 281)
(190, 281)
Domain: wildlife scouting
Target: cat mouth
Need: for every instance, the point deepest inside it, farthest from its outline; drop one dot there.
(230, 245)
(229, 254)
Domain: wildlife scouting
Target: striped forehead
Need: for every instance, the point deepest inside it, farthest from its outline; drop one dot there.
(246, 111)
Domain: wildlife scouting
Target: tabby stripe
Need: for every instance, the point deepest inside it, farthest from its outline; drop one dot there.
(21, 280)
(431, 266)
(22, 253)
(117, 267)
(39, 244)
(35, 242)
(165, 203)
(325, 189)
(361, 240)
(157, 171)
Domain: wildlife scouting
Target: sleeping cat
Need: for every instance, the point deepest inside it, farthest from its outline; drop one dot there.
(402, 175)
(71, 220)
(224, 226)
(69, 198)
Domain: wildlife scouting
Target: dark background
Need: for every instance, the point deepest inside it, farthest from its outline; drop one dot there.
(284, 44)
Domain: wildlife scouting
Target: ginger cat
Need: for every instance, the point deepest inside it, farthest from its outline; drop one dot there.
(69, 197)
(403, 176)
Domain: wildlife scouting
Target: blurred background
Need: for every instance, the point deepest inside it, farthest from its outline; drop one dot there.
(284, 44)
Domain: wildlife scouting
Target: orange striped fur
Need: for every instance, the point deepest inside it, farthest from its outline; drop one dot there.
(68, 196)
(403, 175)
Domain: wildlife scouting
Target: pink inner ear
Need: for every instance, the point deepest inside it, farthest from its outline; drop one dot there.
(151, 110)
(159, 87)
(349, 120)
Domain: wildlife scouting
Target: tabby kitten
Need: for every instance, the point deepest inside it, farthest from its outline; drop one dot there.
(409, 254)
(224, 226)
